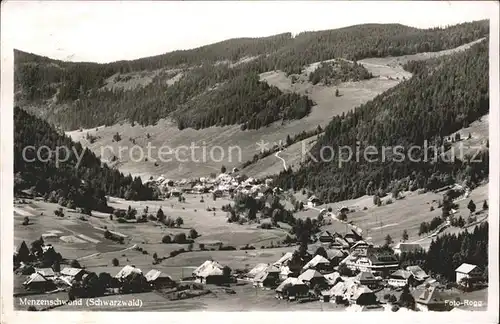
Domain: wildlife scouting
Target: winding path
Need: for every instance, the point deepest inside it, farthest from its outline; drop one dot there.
(282, 159)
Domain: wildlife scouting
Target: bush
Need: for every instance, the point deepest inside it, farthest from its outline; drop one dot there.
(75, 264)
(176, 252)
(266, 226)
(193, 233)
(115, 262)
(166, 239)
(227, 248)
(180, 238)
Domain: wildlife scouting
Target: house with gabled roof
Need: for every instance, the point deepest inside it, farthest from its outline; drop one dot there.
(46, 272)
(417, 272)
(38, 282)
(468, 274)
(127, 271)
(292, 288)
(71, 273)
(363, 296)
(257, 269)
(157, 278)
(285, 259)
(335, 256)
(269, 277)
(401, 278)
(366, 278)
(313, 201)
(313, 278)
(319, 263)
(333, 278)
(430, 299)
(211, 272)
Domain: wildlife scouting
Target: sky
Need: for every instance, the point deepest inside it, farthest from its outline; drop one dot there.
(101, 31)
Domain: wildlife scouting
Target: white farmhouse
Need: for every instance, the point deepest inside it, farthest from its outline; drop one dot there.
(469, 273)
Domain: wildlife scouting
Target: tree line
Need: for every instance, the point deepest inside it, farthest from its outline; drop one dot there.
(447, 252)
(85, 185)
(78, 86)
(429, 106)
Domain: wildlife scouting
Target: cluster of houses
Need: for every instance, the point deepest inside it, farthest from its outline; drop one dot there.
(370, 270)
(46, 279)
(222, 185)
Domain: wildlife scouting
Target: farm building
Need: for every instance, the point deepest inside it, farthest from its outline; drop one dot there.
(341, 292)
(292, 288)
(407, 247)
(430, 299)
(127, 271)
(333, 278)
(417, 273)
(319, 263)
(46, 272)
(468, 274)
(363, 296)
(269, 277)
(212, 272)
(284, 260)
(335, 256)
(73, 273)
(313, 278)
(157, 278)
(313, 201)
(366, 279)
(257, 269)
(401, 278)
(37, 282)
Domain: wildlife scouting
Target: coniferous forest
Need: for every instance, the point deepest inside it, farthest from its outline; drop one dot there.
(72, 95)
(447, 252)
(84, 185)
(443, 96)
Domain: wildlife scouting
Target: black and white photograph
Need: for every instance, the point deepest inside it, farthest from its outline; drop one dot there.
(260, 156)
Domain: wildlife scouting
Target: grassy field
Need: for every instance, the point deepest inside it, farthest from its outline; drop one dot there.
(376, 222)
(406, 213)
(165, 133)
(387, 73)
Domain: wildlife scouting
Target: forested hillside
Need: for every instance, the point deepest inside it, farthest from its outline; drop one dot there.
(71, 94)
(84, 185)
(447, 252)
(445, 95)
(331, 73)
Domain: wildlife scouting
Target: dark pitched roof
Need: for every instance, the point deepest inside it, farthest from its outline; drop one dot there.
(430, 296)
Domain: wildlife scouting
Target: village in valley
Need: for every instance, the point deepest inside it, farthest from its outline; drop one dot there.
(340, 169)
(329, 262)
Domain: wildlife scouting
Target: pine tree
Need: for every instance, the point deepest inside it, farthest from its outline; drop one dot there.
(405, 235)
(471, 206)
